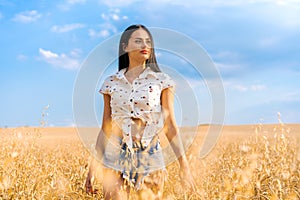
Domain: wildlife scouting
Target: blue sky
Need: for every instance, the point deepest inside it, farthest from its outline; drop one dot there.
(254, 45)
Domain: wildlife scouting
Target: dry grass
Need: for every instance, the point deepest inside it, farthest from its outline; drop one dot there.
(261, 164)
(265, 166)
(29, 170)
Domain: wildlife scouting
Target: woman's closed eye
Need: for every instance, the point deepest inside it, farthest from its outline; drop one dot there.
(139, 41)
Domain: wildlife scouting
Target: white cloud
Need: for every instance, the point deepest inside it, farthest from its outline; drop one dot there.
(101, 33)
(66, 28)
(47, 54)
(197, 83)
(229, 69)
(106, 30)
(75, 1)
(76, 53)
(230, 85)
(117, 3)
(226, 54)
(228, 62)
(115, 17)
(27, 16)
(199, 4)
(220, 3)
(289, 17)
(71, 124)
(280, 14)
(152, 3)
(291, 96)
(1, 16)
(64, 61)
(257, 87)
(22, 57)
(104, 16)
(240, 88)
(113, 14)
(244, 88)
(68, 3)
(268, 42)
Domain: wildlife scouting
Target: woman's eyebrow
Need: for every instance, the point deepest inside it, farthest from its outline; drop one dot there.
(141, 38)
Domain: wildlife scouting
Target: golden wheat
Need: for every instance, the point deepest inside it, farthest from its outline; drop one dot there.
(263, 166)
(266, 166)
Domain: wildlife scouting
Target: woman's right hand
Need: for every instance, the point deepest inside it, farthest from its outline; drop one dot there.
(89, 184)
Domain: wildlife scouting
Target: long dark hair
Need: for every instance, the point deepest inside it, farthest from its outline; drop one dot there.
(123, 56)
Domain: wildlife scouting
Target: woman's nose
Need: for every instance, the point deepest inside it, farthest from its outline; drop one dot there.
(144, 45)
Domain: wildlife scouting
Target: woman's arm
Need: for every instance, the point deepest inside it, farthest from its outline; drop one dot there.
(171, 130)
(101, 143)
(106, 128)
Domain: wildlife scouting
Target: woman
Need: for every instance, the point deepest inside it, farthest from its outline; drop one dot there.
(136, 100)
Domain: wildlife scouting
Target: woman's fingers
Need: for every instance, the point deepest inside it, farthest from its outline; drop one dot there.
(89, 185)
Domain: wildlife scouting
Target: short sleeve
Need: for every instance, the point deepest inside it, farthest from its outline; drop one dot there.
(107, 85)
(167, 81)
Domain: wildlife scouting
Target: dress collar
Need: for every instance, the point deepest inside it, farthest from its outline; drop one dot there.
(148, 71)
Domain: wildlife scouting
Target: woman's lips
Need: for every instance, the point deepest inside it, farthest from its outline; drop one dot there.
(144, 52)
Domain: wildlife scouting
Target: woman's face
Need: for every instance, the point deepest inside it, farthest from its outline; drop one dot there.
(139, 45)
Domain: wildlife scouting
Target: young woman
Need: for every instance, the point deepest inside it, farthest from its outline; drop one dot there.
(138, 106)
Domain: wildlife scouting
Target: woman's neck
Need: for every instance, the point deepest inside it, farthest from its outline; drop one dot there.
(133, 71)
(136, 64)
(136, 67)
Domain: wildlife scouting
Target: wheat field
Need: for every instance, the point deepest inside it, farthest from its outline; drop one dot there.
(259, 162)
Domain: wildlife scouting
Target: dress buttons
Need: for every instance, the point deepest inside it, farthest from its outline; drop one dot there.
(130, 100)
(131, 112)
